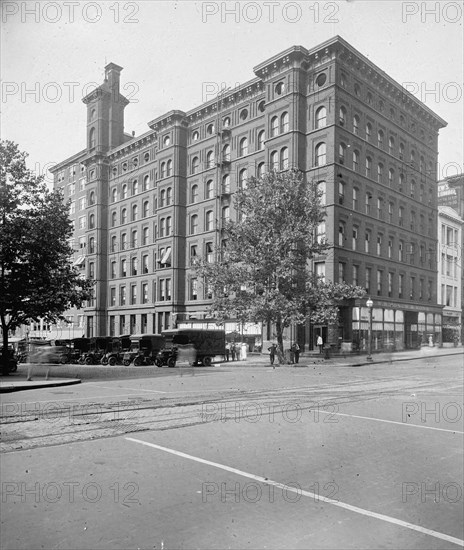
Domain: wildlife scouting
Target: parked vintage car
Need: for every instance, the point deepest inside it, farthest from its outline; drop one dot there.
(12, 358)
(115, 350)
(144, 349)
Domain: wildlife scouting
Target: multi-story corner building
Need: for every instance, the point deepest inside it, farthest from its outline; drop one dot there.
(146, 207)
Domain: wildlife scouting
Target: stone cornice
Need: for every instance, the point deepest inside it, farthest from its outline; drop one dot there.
(70, 160)
(132, 146)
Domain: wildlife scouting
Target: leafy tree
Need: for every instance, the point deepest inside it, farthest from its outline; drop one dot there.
(262, 271)
(37, 279)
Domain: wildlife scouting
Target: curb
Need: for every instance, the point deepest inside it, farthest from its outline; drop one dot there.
(36, 386)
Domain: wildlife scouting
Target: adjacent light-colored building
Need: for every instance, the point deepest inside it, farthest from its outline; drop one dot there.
(146, 207)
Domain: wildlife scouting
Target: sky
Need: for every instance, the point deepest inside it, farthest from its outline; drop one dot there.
(176, 55)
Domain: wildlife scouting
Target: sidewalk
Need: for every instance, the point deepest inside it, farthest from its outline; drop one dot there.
(351, 360)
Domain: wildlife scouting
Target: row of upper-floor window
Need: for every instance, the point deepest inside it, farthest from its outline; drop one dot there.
(386, 283)
(132, 164)
(130, 188)
(408, 189)
(73, 172)
(128, 295)
(381, 244)
(449, 296)
(375, 101)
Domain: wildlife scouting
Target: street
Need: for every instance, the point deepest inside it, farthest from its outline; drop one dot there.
(239, 457)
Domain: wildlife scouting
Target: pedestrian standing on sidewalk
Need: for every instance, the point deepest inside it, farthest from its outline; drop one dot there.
(227, 351)
(232, 351)
(272, 353)
(320, 343)
(296, 352)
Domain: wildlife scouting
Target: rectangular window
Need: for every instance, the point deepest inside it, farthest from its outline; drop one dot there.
(168, 289)
(355, 275)
(133, 294)
(144, 293)
(379, 283)
(368, 280)
(319, 269)
(400, 286)
(144, 323)
(122, 296)
(193, 289)
(341, 272)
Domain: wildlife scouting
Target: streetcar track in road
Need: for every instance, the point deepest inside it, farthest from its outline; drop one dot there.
(171, 414)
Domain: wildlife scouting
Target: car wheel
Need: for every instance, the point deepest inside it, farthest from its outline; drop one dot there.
(112, 361)
(171, 362)
(158, 362)
(138, 361)
(88, 361)
(207, 361)
(63, 359)
(126, 362)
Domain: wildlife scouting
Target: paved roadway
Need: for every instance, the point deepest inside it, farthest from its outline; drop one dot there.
(239, 457)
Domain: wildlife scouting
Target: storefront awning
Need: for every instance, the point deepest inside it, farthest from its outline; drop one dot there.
(80, 260)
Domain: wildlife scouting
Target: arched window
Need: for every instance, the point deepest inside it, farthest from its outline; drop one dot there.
(226, 152)
(401, 151)
(135, 187)
(168, 196)
(113, 219)
(168, 225)
(261, 169)
(225, 215)
(209, 220)
(209, 189)
(124, 191)
(113, 243)
(261, 136)
(243, 148)
(193, 224)
(341, 153)
(243, 114)
(274, 160)
(123, 215)
(134, 239)
(321, 154)
(357, 90)
(124, 241)
(123, 268)
(134, 266)
(135, 212)
(342, 116)
(242, 178)
(355, 160)
(162, 227)
(146, 209)
(169, 168)
(210, 159)
(391, 145)
(145, 236)
(380, 172)
(401, 181)
(194, 194)
(92, 198)
(284, 122)
(321, 117)
(391, 177)
(91, 245)
(226, 184)
(195, 136)
(368, 167)
(284, 158)
(162, 198)
(210, 129)
(322, 190)
(368, 131)
(226, 122)
(380, 139)
(356, 125)
(274, 126)
(114, 195)
(92, 138)
(163, 170)
(195, 165)
(146, 183)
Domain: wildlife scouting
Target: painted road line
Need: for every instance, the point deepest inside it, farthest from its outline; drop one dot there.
(300, 491)
(391, 422)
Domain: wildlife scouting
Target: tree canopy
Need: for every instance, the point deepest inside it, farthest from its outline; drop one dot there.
(37, 279)
(262, 270)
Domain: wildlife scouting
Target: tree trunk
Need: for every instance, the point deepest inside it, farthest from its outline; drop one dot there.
(280, 340)
(5, 356)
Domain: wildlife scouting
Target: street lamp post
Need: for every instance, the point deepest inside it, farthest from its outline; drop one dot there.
(369, 305)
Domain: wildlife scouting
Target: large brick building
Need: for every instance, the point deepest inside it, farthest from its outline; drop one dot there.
(145, 207)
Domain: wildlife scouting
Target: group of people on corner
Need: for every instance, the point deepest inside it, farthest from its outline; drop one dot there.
(294, 353)
(233, 351)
